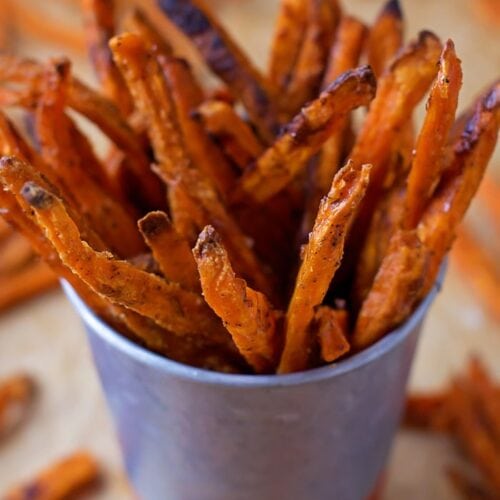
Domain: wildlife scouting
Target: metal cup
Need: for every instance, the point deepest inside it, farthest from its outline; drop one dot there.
(191, 434)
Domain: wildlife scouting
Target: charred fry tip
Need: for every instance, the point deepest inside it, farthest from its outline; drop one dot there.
(208, 240)
(154, 222)
(364, 74)
(426, 36)
(36, 196)
(60, 64)
(393, 8)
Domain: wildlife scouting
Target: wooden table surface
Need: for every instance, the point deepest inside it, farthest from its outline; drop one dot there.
(45, 337)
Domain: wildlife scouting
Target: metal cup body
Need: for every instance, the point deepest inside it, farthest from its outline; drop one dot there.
(190, 434)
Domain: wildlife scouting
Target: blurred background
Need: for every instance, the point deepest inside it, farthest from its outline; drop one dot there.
(44, 338)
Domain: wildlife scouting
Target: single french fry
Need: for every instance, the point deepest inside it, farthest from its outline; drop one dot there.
(344, 55)
(423, 411)
(305, 81)
(111, 220)
(437, 229)
(17, 394)
(14, 253)
(246, 313)
(187, 96)
(98, 16)
(170, 250)
(31, 280)
(399, 90)
(62, 480)
(227, 60)
(395, 289)
(177, 310)
(221, 120)
(322, 257)
(287, 41)
(144, 76)
(385, 37)
(305, 135)
(479, 269)
(428, 161)
(331, 330)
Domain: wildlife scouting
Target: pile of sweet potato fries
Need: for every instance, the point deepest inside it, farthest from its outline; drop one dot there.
(251, 227)
(469, 411)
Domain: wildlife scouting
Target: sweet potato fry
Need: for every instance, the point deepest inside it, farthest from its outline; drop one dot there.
(221, 120)
(14, 253)
(62, 480)
(344, 55)
(32, 279)
(322, 257)
(227, 60)
(305, 135)
(287, 41)
(111, 219)
(399, 90)
(246, 313)
(17, 394)
(331, 329)
(437, 229)
(171, 307)
(98, 16)
(175, 167)
(479, 269)
(385, 37)
(428, 161)
(394, 291)
(187, 96)
(305, 81)
(170, 250)
(423, 411)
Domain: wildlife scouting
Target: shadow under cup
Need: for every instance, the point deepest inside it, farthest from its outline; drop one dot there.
(191, 434)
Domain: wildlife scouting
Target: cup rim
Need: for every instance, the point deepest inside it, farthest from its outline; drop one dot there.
(199, 375)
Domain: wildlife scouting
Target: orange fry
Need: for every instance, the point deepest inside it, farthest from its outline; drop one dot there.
(170, 250)
(305, 135)
(171, 307)
(221, 120)
(331, 328)
(428, 161)
(473, 150)
(246, 313)
(99, 25)
(399, 90)
(394, 291)
(62, 480)
(423, 411)
(14, 253)
(385, 37)
(479, 269)
(322, 257)
(16, 398)
(175, 167)
(187, 96)
(287, 41)
(227, 60)
(305, 81)
(110, 218)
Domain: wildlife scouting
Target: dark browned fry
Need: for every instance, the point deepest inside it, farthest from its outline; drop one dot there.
(175, 167)
(170, 250)
(16, 398)
(322, 257)
(99, 25)
(287, 41)
(437, 229)
(227, 60)
(62, 480)
(385, 37)
(308, 131)
(246, 313)
(395, 289)
(305, 80)
(429, 157)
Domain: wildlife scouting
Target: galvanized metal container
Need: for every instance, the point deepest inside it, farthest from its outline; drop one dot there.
(191, 434)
